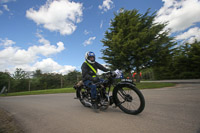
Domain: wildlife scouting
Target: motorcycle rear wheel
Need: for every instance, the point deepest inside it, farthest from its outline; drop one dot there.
(81, 95)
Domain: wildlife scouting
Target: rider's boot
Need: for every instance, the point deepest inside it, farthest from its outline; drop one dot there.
(94, 104)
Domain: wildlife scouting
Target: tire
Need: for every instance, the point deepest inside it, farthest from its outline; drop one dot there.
(128, 98)
(80, 95)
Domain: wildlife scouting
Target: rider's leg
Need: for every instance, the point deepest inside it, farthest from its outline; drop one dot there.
(93, 91)
(93, 87)
(94, 96)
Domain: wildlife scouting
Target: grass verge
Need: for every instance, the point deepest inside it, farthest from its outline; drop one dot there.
(38, 92)
(154, 85)
(71, 90)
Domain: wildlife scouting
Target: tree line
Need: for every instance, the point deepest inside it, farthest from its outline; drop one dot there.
(184, 63)
(28, 81)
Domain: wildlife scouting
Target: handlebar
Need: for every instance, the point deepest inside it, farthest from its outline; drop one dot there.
(110, 74)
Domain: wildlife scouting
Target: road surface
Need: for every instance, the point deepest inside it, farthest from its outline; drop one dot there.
(179, 81)
(168, 110)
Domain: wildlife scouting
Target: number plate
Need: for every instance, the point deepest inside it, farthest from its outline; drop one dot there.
(126, 80)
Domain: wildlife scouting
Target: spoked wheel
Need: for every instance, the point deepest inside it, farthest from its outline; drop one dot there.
(82, 95)
(129, 99)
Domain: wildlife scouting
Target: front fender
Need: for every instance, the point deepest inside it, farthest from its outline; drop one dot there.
(124, 83)
(127, 82)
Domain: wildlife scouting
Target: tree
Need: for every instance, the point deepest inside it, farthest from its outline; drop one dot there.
(194, 55)
(72, 77)
(21, 80)
(36, 83)
(186, 62)
(37, 73)
(5, 80)
(20, 74)
(134, 42)
(50, 81)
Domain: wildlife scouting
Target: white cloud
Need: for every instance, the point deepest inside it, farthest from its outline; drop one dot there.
(46, 65)
(46, 49)
(107, 5)
(86, 32)
(121, 10)
(57, 15)
(89, 41)
(17, 56)
(6, 8)
(14, 57)
(190, 35)
(49, 65)
(6, 42)
(22, 56)
(180, 14)
(101, 24)
(42, 40)
(6, 1)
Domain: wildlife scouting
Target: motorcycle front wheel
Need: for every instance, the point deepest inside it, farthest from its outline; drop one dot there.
(129, 99)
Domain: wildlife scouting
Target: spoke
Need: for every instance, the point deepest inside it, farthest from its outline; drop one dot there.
(122, 102)
(122, 91)
(133, 105)
(121, 95)
(128, 105)
(135, 102)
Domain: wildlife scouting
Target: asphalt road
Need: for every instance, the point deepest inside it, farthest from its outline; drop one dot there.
(178, 81)
(168, 110)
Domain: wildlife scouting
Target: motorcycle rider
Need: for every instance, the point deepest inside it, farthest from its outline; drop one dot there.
(89, 70)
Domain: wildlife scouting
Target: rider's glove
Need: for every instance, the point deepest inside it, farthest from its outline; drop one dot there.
(113, 74)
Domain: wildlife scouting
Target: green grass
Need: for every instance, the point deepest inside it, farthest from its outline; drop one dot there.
(71, 90)
(37, 92)
(153, 85)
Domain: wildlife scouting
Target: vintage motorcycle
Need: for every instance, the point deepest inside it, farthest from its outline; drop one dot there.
(124, 94)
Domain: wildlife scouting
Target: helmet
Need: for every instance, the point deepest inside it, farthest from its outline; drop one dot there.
(89, 54)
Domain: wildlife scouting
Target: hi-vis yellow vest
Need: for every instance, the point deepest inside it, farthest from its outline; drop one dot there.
(91, 68)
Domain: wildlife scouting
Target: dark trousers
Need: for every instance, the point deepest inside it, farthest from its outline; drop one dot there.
(93, 88)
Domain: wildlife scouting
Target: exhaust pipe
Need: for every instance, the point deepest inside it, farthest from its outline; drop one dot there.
(88, 104)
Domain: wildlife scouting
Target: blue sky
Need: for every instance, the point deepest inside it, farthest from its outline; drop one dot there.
(54, 35)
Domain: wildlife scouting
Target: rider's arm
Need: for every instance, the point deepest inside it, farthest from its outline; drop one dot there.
(101, 67)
